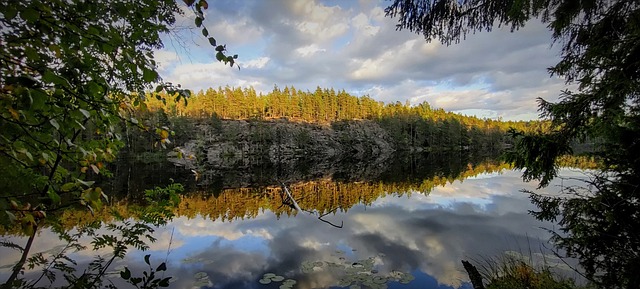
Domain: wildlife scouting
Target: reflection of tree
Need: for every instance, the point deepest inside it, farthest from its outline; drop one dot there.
(288, 200)
(322, 196)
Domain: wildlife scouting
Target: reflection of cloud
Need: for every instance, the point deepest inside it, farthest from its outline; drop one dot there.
(166, 240)
(413, 234)
(231, 230)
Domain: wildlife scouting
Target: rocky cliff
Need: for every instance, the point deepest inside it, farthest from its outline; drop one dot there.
(280, 145)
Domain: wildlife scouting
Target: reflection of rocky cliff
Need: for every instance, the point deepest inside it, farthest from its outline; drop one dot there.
(342, 186)
(321, 195)
(132, 177)
(234, 154)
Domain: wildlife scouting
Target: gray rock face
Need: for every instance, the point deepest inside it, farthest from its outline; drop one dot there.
(281, 141)
(238, 144)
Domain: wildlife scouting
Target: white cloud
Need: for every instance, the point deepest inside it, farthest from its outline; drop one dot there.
(352, 46)
(256, 63)
(309, 50)
(164, 58)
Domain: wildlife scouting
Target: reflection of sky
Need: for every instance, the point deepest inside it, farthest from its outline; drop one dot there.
(427, 235)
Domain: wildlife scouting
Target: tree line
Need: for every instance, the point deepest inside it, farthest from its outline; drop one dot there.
(410, 125)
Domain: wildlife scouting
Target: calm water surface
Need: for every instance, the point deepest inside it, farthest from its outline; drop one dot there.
(379, 236)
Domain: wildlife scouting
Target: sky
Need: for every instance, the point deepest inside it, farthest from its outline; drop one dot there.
(351, 45)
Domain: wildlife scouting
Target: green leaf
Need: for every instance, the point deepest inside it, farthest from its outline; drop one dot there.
(31, 53)
(146, 259)
(212, 41)
(86, 183)
(149, 75)
(67, 187)
(46, 157)
(30, 15)
(220, 56)
(54, 123)
(164, 282)
(205, 32)
(39, 98)
(26, 153)
(198, 21)
(79, 124)
(9, 13)
(55, 198)
(50, 77)
(86, 113)
(159, 88)
(162, 267)
(11, 216)
(126, 274)
(94, 88)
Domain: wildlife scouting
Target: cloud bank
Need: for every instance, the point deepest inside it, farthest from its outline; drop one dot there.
(353, 46)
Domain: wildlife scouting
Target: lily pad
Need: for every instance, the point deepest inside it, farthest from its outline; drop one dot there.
(307, 264)
(264, 281)
(201, 275)
(396, 274)
(268, 275)
(201, 282)
(407, 278)
(379, 280)
(277, 278)
(344, 282)
(290, 281)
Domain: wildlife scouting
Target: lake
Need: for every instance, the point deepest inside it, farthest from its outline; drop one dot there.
(405, 226)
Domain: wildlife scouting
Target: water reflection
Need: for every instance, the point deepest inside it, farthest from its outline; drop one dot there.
(421, 228)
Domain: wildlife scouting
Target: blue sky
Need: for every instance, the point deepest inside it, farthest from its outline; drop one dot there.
(351, 45)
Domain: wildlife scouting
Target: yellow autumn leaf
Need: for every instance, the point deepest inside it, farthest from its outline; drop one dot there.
(14, 113)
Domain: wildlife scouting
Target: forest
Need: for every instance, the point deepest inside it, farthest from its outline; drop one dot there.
(410, 126)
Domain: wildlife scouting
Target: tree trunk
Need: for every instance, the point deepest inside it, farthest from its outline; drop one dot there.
(474, 275)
